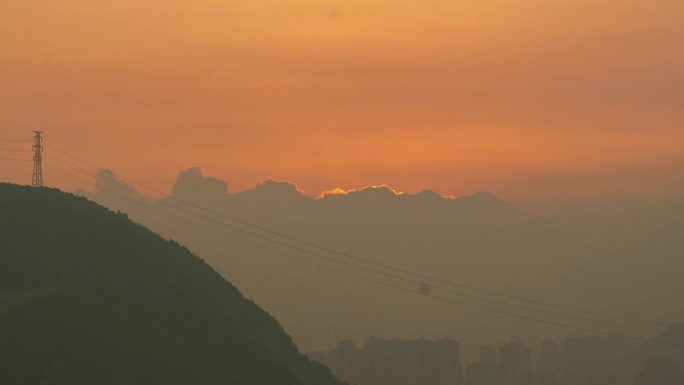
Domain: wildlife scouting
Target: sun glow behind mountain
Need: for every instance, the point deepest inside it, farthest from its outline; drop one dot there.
(338, 191)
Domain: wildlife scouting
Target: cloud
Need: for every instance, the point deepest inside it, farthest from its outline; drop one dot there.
(276, 189)
(191, 183)
(106, 181)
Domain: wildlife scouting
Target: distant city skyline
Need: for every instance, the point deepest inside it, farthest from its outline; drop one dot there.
(583, 360)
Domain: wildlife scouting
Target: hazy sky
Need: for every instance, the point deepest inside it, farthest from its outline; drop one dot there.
(537, 101)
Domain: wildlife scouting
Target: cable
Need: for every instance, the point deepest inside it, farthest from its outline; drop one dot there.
(377, 264)
(18, 160)
(553, 323)
(74, 157)
(543, 311)
(393, 276)
(16, 141)
(382, 265)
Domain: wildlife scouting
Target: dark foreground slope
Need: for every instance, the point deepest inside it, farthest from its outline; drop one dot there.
(88, 297)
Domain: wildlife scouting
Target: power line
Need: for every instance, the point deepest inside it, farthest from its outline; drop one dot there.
(394, 276)
(74, 157)
(366, 261)
(413, 281)
(540, 303)
(18, 160)
(443, 299)
(16, 141)
(127, 189)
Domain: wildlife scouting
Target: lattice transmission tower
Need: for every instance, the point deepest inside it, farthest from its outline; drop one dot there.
(37, 160)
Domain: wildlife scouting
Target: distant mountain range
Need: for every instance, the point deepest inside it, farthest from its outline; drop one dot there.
(622, 259)
(88, 297)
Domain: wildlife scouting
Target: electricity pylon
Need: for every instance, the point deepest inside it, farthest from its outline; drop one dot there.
(37, 160)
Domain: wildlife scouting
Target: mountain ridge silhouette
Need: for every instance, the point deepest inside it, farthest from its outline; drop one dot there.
(87, 296)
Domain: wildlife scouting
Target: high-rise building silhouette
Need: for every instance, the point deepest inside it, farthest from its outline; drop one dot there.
(549, 357)
(395, 362)
(661, 372)
(515, 363)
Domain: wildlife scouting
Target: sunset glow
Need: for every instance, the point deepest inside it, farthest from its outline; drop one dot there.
(335, 191)
(340, 191)
(328, 192)
(534, 101)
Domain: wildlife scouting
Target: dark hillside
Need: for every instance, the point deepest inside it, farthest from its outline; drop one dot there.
(88, 297)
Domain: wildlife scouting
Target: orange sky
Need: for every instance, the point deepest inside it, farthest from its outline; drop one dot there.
(537, 101)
